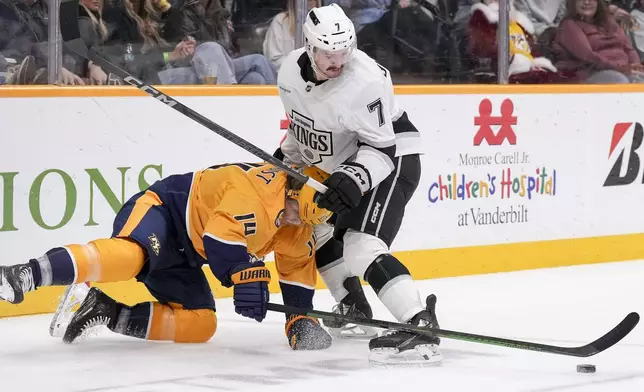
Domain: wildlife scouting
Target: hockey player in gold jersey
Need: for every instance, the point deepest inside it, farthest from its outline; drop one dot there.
(228, 217)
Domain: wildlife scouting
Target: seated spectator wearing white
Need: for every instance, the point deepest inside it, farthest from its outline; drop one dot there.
(638, 31)
(543, 14)
(591, 44)
(24, 43)
(526, 65)
(279, 40)
(215, 55)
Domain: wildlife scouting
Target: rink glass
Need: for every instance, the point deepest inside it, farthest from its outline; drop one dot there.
(438, 56)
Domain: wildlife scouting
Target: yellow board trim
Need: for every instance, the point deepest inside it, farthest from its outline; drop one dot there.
(423, 264)
(247, 90)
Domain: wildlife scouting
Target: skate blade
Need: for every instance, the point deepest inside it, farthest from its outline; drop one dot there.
(353, 332)
(421, 356)
(89, 333)
(6, 292)
(69, 303)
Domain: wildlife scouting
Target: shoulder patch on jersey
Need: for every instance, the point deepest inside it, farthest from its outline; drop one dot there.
(314, 143)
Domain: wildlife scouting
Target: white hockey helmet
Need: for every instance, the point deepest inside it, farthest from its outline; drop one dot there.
(329, 29)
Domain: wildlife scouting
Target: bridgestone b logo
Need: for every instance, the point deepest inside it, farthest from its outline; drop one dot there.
(626, 140)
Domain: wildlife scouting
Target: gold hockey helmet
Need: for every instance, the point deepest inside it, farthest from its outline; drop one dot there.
(310, 213)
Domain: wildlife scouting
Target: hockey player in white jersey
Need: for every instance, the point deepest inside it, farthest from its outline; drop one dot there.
(344, 119)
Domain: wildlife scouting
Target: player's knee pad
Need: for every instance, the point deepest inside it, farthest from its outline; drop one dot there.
(360, 250)
(391, 281)
(194, 326)
(107, 260)
(384, 272)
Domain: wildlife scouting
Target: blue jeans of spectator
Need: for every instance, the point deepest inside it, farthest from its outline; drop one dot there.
(250, 69)
(610, 76)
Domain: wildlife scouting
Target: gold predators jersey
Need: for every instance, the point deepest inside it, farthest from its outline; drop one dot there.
(233, 216)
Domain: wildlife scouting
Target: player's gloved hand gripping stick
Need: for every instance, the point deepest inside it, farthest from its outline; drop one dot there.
(71, 36)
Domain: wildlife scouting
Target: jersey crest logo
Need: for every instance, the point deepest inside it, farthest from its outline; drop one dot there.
(314, 144)
(252, 258)
(155, 244)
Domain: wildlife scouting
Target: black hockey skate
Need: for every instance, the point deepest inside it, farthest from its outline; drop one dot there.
(407, 348)
(97, 309)
(354, 304)
(15, 281)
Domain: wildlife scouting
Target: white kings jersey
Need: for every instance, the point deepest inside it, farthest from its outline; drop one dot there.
(350, 123)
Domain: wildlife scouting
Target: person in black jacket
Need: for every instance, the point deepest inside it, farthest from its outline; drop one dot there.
(211, 26)
(126, 37)
(23, 43)
(185, 44)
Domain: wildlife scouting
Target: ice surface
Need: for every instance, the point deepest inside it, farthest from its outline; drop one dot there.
(564, 306)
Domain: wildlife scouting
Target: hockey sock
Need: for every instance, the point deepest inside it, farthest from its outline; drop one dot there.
(155, 321)
(332, 268)
(297, 296)
(103, 260)
(303, 332)
(394, 286)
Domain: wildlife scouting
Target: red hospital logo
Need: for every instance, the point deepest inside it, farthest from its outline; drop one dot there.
(485, 120)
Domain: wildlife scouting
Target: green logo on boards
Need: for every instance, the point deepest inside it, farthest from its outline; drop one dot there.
(92, 181)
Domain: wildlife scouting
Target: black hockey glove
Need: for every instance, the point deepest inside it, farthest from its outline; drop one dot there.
(250, 293)
(279, 154)
(344, 193)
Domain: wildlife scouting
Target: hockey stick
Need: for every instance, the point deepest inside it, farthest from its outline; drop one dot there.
(71, 36)
(608, 340)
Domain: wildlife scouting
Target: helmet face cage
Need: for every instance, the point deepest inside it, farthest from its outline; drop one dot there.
(329, 29)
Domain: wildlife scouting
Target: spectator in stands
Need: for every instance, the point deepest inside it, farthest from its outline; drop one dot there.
(94, 31)
(546, 16)
(637, 15)
(211, 25)
(279, 40)
(23, 43)
(413, 39)
(129, 38)
(163, 45)
(591, 44)
(526, 65)
(543, 14)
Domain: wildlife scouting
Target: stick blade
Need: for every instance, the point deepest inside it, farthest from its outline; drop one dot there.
(69, 20)
(611, 338)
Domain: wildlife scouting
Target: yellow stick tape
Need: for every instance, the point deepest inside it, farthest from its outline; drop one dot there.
(423, 264)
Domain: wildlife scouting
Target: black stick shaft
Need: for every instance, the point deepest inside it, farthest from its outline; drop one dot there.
(599, 345)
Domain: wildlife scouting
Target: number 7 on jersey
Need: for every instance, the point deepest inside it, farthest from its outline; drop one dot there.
(376, 106)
